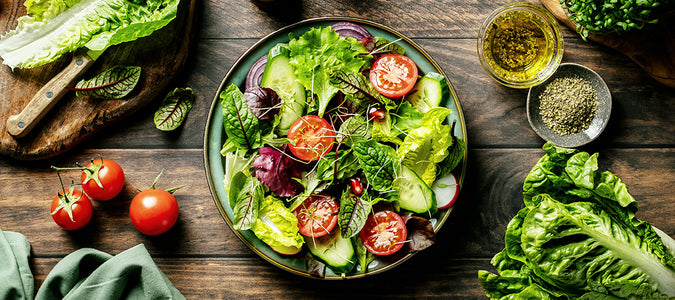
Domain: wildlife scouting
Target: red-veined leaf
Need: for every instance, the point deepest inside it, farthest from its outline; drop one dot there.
(174, 109)
(113, 83)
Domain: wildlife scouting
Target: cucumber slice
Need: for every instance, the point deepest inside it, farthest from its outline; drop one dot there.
(336, 252)
(414, 194)
(280, 77)
(430, 91)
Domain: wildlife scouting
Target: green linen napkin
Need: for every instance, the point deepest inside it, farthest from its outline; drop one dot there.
(16, 279)
(91, 274)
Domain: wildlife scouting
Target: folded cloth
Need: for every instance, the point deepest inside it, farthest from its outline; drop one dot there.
(15, 275)
(91, 274)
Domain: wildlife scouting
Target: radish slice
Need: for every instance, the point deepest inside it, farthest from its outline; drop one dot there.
(285, 250)
(446, 190)
(345, 29)
(255, 74)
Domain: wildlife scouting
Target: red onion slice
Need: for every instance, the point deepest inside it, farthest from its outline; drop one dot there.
(345, 29)
(255, 74)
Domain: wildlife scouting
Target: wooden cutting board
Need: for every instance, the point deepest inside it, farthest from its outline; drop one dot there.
(652, 48)
(74, 119)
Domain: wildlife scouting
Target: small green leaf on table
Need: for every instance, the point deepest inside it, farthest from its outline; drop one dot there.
(174, 109)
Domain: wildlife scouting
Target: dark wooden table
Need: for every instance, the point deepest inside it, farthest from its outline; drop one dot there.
(204, 259)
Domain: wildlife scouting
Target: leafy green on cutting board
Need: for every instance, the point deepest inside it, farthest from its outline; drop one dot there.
(113, 83)
(174, 109)
(54, 28)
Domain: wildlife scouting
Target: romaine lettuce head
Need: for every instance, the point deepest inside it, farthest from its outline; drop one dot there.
(56, 27)
(276, 225)
(580, 247)
(578, 238)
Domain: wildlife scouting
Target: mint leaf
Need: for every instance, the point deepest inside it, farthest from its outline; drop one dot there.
(378, 163)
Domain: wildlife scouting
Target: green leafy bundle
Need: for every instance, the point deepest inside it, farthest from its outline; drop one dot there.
(56, 27)
(578, 238)
(606, 16)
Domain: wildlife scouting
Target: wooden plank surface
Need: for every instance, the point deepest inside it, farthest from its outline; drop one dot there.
(205, 260)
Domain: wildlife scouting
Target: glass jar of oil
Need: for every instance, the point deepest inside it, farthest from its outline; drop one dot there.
(520, 45)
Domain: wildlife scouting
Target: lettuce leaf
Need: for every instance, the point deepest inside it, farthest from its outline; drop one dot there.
(56, 27)
(278, 172)
(427, 145)
(578, 238)
(277, 225)
(319, 53)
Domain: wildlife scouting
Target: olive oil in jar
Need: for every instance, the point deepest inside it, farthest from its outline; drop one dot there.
(516, 46)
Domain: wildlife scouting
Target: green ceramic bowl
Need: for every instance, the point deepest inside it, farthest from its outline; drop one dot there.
(215, 136)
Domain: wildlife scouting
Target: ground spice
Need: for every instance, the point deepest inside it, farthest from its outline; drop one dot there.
(568, 105)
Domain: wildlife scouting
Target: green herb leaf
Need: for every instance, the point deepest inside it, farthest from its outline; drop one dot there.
(363, 256)
(246, 194)
(174, 109)
(355, 129)
(113, 83)
(241, 125)
(354, 211)
(378, 162)
(455, 156)
(359, 89)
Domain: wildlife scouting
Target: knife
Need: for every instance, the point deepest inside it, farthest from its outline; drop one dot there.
(19, 125)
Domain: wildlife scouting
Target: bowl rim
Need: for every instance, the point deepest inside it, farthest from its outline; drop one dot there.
(580, 138)
(553, 27)
(237, 63)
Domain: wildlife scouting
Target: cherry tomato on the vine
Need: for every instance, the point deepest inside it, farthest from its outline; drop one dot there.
(153, 211)
(393, 75)
(312, 137)
(384, 233)
(72, 210)
(102, 179)
(317, 215)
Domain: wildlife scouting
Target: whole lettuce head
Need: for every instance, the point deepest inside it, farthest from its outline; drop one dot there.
(55, 27)
(577, 238)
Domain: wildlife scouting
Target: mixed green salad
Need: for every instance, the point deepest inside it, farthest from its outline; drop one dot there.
(578, 238)
(338, 150)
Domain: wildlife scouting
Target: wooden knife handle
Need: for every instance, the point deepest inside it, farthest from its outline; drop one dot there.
(19, 125)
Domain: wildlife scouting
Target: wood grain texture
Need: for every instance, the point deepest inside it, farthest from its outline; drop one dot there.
(205, 260)
(74, 119)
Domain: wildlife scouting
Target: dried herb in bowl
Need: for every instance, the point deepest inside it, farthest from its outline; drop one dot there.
(568, 105)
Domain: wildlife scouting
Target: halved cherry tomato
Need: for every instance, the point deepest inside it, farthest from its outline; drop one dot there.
(384, 233)
(312, 137)
(71, 211)
(317, 215)
(393, 75)
(102, 179)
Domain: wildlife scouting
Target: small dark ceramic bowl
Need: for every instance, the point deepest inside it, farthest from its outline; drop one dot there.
(601, 116)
